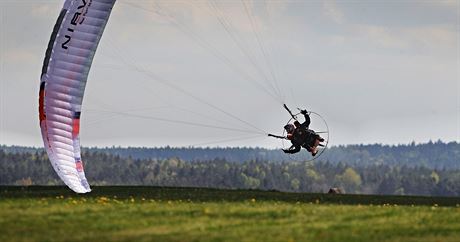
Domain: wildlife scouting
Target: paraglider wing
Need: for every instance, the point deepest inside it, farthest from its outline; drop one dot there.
(68, 59)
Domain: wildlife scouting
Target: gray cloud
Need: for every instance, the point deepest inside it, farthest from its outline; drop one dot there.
(379, 72)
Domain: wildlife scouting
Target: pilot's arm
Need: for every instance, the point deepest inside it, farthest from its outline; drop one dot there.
(307, 119)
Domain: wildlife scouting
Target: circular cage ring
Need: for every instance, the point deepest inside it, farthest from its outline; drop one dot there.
(317, 124)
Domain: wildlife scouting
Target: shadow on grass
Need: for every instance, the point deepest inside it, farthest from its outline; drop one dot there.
(218, 195)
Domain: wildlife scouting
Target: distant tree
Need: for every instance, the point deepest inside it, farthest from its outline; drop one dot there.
(350, 180)
(435, 177)
(295, 184)
(406, 169)
(390, 184)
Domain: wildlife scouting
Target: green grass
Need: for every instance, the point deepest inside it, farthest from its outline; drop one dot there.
(191, 214)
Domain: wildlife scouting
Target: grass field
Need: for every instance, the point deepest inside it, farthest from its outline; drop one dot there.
(191, 214)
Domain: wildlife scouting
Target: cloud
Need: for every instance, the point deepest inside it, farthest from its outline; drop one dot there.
(19, 56)
(331, 10)
(446, 3)
(277, 8)
(45, 10)
(363, 65)
(381, 36)
(419, 40)
(192, 14)
(434, 36)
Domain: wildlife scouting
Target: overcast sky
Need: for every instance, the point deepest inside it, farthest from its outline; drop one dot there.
(378, 71)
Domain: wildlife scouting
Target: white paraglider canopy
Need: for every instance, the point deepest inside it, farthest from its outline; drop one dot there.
(68, 59)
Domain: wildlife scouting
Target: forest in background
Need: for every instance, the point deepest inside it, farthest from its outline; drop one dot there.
(437, 154)
(414, 169)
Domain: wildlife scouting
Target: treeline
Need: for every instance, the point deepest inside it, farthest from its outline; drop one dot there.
(435, 155)
(33, 168)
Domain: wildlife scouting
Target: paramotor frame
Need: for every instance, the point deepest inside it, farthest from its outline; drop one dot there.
(322, 131)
